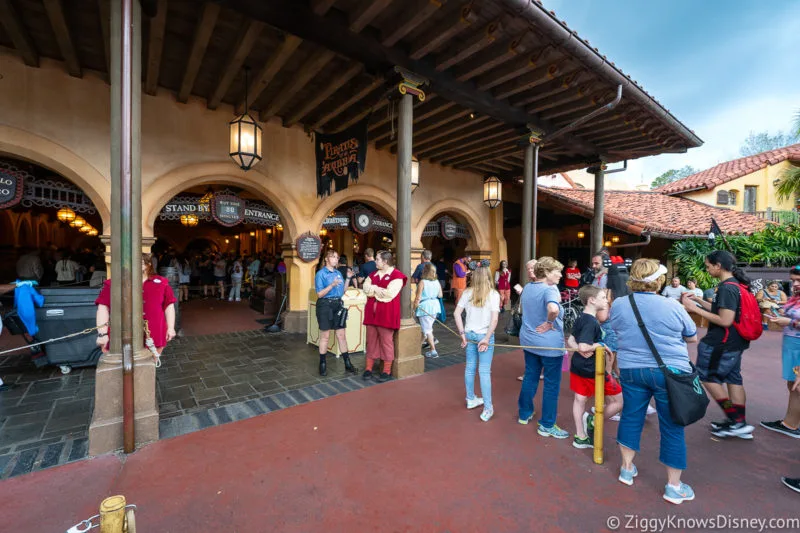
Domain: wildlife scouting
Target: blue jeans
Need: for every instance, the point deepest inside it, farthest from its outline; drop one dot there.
(638, 386)
(530, 384)
(482, 361)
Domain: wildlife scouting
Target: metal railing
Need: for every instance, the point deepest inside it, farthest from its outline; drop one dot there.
(780, 217)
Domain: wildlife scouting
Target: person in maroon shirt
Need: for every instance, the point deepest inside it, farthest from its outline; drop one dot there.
(158, 307)
(502, 280)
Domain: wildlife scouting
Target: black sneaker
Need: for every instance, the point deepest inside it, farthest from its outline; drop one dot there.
(743, 430)
(366, 375)
(781, 428)
(721, 424)
(792, 483)
(384, 377)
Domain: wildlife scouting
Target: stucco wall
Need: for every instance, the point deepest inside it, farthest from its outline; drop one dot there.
(762, 179)
(63, 123)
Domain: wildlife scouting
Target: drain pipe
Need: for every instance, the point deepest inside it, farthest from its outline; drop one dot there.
(645, 242)
(577, 122)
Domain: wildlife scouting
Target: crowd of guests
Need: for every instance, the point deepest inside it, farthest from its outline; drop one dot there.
(51, 266)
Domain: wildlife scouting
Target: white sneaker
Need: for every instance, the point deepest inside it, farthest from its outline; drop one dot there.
(472, 404)
(651, 410)
(486, 415)
(615, 418)
(238, 299)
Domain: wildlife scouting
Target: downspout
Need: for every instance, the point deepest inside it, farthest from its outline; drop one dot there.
(645, 242)
(562, 37)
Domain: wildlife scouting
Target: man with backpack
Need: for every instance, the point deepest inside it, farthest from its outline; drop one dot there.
(733, 321)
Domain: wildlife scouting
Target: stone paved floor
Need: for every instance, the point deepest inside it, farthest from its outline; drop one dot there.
(204, 381)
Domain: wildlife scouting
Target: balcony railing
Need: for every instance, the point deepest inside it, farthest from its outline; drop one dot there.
(780, 217)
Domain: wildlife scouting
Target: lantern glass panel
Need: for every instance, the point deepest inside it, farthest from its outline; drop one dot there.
(245, 141)
(492, 192)
(414, 174)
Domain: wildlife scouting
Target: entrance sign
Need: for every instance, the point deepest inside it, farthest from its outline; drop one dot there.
(308, 247)
(227, 209)
(362, 221)
(449, 228)
(341, 157)
(11, 186)
(257, 213)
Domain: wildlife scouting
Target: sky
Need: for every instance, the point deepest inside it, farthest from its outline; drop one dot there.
(724, 68)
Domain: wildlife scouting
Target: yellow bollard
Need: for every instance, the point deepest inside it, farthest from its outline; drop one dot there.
(112, 514)
(599, 402)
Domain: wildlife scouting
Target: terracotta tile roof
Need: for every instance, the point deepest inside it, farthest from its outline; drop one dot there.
(730, 170)
(663, 216)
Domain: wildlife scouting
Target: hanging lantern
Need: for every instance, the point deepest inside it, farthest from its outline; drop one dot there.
(607, 244)
(279, 226)
(237, 237)
(189, 221)
(65, 214)
(581, 235)
(77, 222)
(269, 231)
(245, 133)
(227, 241)
(615, 239)
(323, 232)
(93, 233)
(252, 233)
(492, 192)
(86, 228)
(414, 173)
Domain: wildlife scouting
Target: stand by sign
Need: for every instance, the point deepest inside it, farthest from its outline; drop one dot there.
(227, 210)
(449, 228)
(308, 247)
(10, 188)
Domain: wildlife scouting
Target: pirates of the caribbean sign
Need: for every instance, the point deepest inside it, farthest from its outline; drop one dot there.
(341, 157)
(10, 188)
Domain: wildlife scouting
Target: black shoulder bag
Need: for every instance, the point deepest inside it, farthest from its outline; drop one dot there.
(687, 398)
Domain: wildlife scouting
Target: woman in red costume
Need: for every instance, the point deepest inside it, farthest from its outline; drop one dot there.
(382, 313)
(158, 306)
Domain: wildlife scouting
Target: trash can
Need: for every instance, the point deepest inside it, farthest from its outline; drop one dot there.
(172, 275)
(68, 310)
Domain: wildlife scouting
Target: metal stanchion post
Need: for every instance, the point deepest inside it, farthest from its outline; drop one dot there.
(599, 402)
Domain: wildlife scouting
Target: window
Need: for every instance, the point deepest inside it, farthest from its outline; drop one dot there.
(722, 197)
(750, 199)
(732, 197)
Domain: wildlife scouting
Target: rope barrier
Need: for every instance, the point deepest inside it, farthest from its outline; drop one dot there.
(56, 339)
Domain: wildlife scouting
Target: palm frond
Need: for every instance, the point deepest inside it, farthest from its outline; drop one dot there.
(789, 186)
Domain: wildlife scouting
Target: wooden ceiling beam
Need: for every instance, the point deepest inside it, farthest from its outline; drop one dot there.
(55, 12)
(437, 36)
(357, 97)
(412, 17)
(337, 83)
(320, 7)
(482, 147)
(202, 35)
(575, 94)
(490, 58)
(494, 165)
(433, 124)
(155, 46)
(104, 8)
(18, 33)
(363, 114)
(478, 141)
(310, 68)
(366, 13)
(270, 69)
(430, 111)
(249, 33)
(417, 104)
(634, 145)
(573, 111)
(488, 156)
(548, 90)
(514, 69)
(446, 132)
(627, 132)
(529, 81)
(474, 44)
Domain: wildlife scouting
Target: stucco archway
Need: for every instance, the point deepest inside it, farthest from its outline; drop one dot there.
(368, 194)
(157, 193)
(27, 146)
(460, 211)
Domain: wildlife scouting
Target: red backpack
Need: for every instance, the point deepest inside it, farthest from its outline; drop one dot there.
(748, 319)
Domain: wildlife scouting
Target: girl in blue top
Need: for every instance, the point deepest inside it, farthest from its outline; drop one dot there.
(427, 305)
(542, 325)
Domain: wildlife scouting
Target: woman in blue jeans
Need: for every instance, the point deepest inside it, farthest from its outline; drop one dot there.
(670, 327)
(482, 304)
(542, 326)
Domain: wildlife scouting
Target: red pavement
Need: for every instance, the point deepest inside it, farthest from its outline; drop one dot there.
(212, 316)
(407, 456)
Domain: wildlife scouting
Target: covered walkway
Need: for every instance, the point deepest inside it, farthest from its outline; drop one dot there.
(407, 456)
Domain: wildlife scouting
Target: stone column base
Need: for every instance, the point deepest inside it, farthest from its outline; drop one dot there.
(295, 321)
(408, 361)
(105, 431)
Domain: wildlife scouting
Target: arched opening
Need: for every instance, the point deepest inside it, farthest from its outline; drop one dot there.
(448, 237)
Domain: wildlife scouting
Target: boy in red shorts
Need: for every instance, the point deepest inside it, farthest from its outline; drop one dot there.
(585, 338)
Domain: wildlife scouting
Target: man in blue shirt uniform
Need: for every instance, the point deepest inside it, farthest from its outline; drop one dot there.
(331, 314)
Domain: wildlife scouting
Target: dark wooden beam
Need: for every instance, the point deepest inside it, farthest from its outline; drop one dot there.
(417, 13)
(248, 36)
(481, 148)
(312, 67)
(572, 96)
(548, 90)
(478, 142)
(426, 113)
(337, 83)
(104, 8)
(374, 126)
(494, 165)
(18, 33)
(628, 131)
(154, 47)
(538, 77)
(474, 44)
(437, 36)
(366, 13)
(357, 97)
(575, 109)
(202, 35)
(271, 68)
(634, 145)
(487, 156)
(432, 124)
(320, 7)
(55, 12)
(462, 131)
(515, 69)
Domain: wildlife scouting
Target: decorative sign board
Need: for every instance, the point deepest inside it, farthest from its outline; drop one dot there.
(449, 228)
(11, 187)
(227, 210)
(336, 221)
(261, 214)
(362, 221)
(308, 247)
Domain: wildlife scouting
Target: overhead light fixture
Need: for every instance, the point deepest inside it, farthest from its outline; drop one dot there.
(189, 220)
(227, 241)
(77, 222)
(237, 237)
(252, 233)
(414, 173)
(269, 231)
(245, 133)
(65, 214)
(86, 228)
(279, 226)
(492, 192)
(92, 233)
(615, 239)
(323, 232)
(581, 235)
(607, 243)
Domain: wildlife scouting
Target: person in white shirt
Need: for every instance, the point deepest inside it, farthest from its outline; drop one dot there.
(482, 304)
(691, 286)
(66, 269)
(674, 289)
